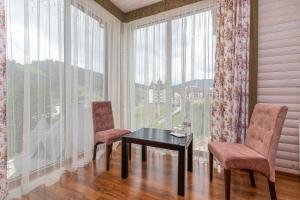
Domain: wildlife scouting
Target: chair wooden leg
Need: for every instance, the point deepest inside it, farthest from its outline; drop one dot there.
(252, 180)
(211, 164)
(111, 149)
(95, 151)
(227, 178)
(272, 190)
(108, 151)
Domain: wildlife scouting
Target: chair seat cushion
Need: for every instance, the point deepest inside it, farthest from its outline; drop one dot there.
(109, 136)
(239, 156)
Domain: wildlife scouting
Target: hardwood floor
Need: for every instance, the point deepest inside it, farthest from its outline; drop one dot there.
(157, 179)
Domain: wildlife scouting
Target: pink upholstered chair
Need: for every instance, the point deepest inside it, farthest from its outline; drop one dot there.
(104, 130)
(259, 151)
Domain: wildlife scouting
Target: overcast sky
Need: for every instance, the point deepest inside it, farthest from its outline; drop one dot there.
(194, 53)
(46, 41)
(45, 38)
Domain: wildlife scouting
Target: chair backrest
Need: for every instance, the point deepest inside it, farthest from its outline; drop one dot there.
(265, 129)
(102, 116)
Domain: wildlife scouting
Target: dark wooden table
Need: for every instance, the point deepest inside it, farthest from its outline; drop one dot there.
(161, 139)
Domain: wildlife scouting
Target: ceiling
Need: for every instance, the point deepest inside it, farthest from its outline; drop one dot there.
(129, 5)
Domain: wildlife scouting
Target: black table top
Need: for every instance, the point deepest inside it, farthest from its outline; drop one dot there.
(158, 135)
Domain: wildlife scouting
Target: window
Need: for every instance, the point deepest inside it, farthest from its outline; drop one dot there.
(150, 78)
(87, 71)
(173, 63)
(87, 41)
(47, 97)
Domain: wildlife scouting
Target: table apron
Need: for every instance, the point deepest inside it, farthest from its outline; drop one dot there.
(157, 144)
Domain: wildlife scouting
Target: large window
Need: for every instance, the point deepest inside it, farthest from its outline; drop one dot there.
(173, 63)
(150, 74)
(51, 80)
(87, 71)
(87, 49)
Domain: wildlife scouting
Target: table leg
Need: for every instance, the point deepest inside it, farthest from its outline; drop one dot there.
(124, 158)
(181, 172)
(144, 153)
(190, 157)
(129, 151)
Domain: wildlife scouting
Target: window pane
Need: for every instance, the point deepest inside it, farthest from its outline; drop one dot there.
(36, 90)
(150, 77)
(87, 59)
(35, 86)
(192, 74)
(166, 96)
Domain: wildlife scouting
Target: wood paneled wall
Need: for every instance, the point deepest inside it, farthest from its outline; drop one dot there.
(110, 7)
(156, 8)
(145, 11)
(253, 57)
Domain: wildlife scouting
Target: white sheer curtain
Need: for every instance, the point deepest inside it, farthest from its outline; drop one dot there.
(35, 87)
(56, 58)
(84, 79)
(170, 70)
(113, 57)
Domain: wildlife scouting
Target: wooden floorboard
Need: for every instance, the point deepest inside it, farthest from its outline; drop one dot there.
(157, 179)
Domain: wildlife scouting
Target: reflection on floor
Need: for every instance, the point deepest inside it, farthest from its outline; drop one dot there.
(157, 179)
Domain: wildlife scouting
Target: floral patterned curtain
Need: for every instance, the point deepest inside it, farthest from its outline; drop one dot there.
(3, 139)
(230, 94)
